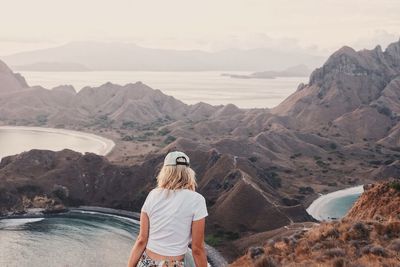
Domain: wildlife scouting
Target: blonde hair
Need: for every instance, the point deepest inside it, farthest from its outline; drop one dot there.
(176, 177)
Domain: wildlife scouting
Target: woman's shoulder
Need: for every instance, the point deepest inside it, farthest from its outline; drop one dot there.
(155, 191)
(193, 194)
(186, 192)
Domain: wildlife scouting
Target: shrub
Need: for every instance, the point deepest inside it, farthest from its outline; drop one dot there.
(295, 155)
(60, 191)
(366, 249)
(332, 233)
(321, 163)
(385, 111)
(334, 252)
(128, 138)
(395, 185)
(274, 180)
(375, 162)
(213, 240)
(253, 159)
(129, 125)
(339, 263)
(306, 190)
(255, 252)
(378, 251)
(232, 235)
(388, 162)
(103, 121)
(163, 132)
(169, 139)
(358, 231)
(395, 245)
(266, 262)
(391, 229)
(290, 201)
(41, 119)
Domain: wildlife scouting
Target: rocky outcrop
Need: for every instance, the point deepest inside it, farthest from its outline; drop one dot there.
(379, 202)
(348, 81)
(368, 236)
(9, 81)
(73, 179)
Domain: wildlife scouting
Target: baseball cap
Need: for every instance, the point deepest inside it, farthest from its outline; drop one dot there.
(176, 158)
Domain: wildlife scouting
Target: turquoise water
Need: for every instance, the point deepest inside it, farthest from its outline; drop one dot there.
(72, 239)
(338, 207)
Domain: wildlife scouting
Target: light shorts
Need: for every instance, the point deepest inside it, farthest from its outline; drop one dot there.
(146, 261)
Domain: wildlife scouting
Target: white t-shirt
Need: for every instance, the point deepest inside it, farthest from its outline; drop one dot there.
(171, 214)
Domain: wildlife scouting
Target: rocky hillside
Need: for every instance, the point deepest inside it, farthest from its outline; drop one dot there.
(9, 81)
(379, 202)
(105, 106)
(71, 179)
(348, 82)
(362, 238)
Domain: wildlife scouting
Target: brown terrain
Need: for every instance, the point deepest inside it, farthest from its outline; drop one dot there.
(258, 168)
(369, 235)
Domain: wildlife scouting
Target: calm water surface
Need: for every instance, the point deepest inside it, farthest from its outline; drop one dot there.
(338, 207)
(190, 87)
(15, 141)
(73, 239)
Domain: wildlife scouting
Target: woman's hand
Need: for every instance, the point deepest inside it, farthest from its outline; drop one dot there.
(141, 240)
(198, 250)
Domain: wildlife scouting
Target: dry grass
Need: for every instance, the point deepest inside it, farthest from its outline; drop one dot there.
(351, 242)
(344, 243)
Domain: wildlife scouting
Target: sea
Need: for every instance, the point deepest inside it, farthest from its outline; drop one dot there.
(337, 208)
(14, 140)
(190, 87)
(72, 239)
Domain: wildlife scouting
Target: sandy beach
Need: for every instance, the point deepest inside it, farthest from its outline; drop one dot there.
(107, 145)
(318, 205)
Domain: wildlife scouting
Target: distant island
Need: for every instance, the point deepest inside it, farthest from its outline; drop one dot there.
(103, 56)
(295, 71)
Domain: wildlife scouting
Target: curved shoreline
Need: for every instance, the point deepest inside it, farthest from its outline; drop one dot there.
(107, 144)
(318, 204)
(214, 257)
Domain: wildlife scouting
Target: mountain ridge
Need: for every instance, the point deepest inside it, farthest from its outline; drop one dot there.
(125, 56)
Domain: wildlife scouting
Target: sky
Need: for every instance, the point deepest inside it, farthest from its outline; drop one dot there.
(320, 26)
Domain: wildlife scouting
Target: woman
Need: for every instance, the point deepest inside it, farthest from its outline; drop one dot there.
(172, 215)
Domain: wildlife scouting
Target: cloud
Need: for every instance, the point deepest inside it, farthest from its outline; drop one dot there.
(24, 40)
(378, 37)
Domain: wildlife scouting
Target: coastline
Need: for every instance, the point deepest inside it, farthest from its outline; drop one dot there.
(117, 212)
(214, 257)
(107, 144)
(315, 208)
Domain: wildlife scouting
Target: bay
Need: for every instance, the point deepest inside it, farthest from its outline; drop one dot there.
(190, 87)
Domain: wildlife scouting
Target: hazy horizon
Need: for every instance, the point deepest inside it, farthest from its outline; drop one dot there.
(314, 26)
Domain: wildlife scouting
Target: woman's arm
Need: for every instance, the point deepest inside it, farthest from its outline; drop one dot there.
(141, 240)
(198, 250)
